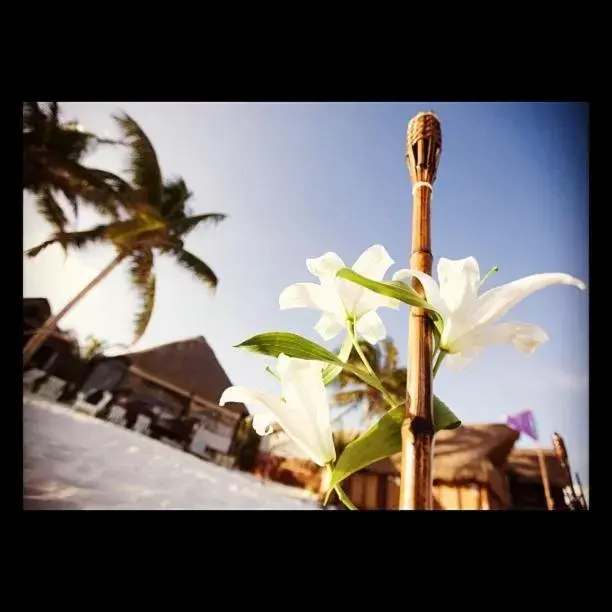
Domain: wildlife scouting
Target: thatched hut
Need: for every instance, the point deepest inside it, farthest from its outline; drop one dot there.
(525, 480)
(475, 468)
(183, 378)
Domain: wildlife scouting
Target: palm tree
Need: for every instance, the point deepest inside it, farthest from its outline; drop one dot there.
(159, 221)
(353, 392)
(52, 164)
(94, 347)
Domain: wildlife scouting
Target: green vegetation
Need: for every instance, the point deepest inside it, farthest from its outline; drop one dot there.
(150, 216)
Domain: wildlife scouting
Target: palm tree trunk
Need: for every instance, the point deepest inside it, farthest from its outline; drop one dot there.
(38, 339)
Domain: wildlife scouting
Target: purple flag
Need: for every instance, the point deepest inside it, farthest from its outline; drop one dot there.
(524, 423)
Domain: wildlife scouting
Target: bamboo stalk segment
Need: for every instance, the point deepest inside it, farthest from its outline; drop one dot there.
(423, 149)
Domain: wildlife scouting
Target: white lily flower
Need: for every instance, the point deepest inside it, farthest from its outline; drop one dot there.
(341, 301)
(469, 318)
(303, 412)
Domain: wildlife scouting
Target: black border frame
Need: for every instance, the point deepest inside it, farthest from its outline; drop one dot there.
(57, 532)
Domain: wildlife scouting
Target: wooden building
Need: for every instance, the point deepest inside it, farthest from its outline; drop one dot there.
(475, 468)
(185, 380)
(525, 480)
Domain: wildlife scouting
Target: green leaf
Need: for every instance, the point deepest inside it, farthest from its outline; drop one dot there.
(384, 439)
(393, 289)
(444, 417)
(292, 345)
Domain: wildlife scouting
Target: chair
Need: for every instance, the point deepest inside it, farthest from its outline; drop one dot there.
(30, 377)
(82, 405)
(198, 442)
(143, 424)
(117, 415)
(52, 388)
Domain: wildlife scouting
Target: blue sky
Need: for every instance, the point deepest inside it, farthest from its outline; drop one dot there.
(301, 179)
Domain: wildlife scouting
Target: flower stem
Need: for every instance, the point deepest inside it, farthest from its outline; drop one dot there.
(388, 397)
(441, 355)
(344, 498)
(360, 352)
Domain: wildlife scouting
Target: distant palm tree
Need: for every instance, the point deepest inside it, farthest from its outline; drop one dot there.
(353, 392)
(94, 347)
(159, 220)
(52, 163)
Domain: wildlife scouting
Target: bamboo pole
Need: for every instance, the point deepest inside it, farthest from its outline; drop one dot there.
(423, 148)
(545, 481)
(581, 497)
(561, 452)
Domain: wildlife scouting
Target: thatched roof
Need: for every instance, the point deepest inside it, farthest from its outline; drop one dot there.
(36, 308)
(524, 465)
(474, 453)
(483, 454)
(463, 454)
(190, 365)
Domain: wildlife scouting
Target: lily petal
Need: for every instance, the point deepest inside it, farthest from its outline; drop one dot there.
(329, 326)
(295, 422)
(459, 281)
(460, 361)
(432, 291)
(262, 421)
(307, 295)
(326, 265)
(495, 303)
(350, 294)
(524, 336)
(371, 327)
(303, 389)
(373, 263)
(370, 300)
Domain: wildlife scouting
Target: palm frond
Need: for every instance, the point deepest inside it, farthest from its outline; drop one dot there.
(34, 251)
(346, 398)
(395, 381)
(390, 354)
(76, 240)
(50, 209)
(184, 226)
(141, 266)
(54, 113)
(196, 266)
(175, 196)
(77, 181)
(33, 117)
(144, 167)
(119, 186)
(141, 271)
